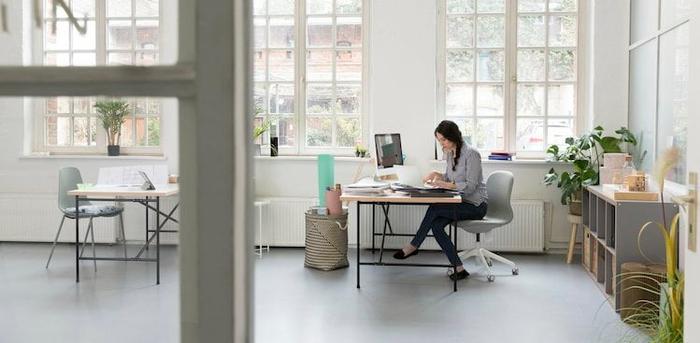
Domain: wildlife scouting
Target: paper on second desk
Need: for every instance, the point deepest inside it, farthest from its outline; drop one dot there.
(129, 175)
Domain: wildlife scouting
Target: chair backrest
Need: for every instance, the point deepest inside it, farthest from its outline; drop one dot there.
(68, 180)
(499, 186)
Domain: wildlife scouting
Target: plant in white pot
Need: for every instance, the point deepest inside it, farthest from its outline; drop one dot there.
(112, 114)
(584, 153)
(259, 131)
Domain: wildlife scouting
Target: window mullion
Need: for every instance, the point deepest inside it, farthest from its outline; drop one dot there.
(546, 77)
(511, 79)
(334, 84)
(101, 32)
(300, 84)
(441, 108)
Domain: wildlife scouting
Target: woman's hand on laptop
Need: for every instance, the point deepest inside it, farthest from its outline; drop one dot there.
(432, 177)
(442, 184)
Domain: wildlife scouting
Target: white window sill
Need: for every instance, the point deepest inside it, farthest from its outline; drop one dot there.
(516, 162)
(92, 157)
(310, 158)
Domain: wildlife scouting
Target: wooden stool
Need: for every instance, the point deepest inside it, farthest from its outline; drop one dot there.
(575, 221)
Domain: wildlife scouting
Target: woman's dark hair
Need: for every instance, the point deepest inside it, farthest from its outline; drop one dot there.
(450, 131)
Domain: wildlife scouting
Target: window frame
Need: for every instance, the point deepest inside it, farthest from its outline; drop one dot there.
(655, 36)
(510, 79)
(300, 82)
(37, 106)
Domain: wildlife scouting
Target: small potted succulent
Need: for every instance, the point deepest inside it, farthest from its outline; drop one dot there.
(360, 151)
(112, 114)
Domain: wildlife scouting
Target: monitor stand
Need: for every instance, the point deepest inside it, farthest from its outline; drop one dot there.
(389, 175)
(402, 174)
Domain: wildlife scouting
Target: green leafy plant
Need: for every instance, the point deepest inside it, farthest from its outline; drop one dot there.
(584, 153)
(112, 114)
(360, 150)
(662, 321)
(262, 128)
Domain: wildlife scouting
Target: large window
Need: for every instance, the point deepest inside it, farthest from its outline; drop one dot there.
(309, 73)
(117, 32)
(508, 71)
(659, 68)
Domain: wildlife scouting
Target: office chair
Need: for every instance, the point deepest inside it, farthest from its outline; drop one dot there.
(68, 180)
(499, 186)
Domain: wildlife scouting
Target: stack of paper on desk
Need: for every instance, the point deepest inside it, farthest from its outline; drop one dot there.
(123, 176)
(366, 186)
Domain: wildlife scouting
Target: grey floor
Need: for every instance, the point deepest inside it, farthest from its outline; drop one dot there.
(548, 302)
(119, 303)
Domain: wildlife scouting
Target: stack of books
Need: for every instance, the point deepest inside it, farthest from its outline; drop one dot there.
(366, 186)
(501, 156)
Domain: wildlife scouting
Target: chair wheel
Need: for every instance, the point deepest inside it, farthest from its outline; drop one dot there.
(491, 278)
(450, 271)
(516, 271)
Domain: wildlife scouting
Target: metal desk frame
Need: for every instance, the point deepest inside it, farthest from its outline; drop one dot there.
(387, 224)
(146, 201)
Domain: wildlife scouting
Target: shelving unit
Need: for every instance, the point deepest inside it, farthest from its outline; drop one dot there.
(611, 230)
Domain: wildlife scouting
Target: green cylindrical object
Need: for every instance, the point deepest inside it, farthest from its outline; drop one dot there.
(326, 174)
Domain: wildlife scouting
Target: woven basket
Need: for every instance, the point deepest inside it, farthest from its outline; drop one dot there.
(326, 241)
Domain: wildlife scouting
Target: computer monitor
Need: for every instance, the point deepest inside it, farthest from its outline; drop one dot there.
(388, 148)
(389, 156)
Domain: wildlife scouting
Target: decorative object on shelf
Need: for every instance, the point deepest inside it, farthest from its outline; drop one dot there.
(584, 153)
(112, 114)
(636, 182)
(663, 322)
(636, 196)
(274, 146)
(636, 297)
(259, 131)
(333, 200)
(326, 175)
(360, 150)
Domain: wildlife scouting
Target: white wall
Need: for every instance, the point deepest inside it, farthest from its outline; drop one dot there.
(692, 259)
(402, 81)
(28, 186)
(402, 86)
(608, 64)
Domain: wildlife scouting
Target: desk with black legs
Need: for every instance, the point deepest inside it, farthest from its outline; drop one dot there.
(150, 199)
(384, 201)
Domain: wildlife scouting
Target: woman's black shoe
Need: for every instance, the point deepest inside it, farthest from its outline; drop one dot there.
(399, 255)
(459, 275)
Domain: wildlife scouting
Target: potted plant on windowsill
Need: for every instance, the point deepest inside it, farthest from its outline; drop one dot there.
(259, 131)
(360, 150)
(584, 153)
(112, 114)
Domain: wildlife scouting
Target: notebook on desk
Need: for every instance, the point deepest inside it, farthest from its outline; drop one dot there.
(426, 191)
(431, 194)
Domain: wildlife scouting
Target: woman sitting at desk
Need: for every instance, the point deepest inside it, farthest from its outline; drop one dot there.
(464, 174)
